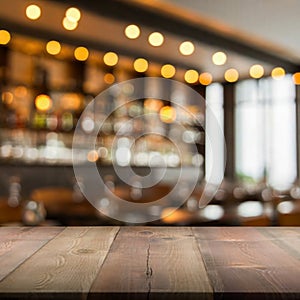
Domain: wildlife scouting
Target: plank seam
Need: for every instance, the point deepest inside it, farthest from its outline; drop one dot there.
(104, 260)
(203, 261)
(25, 260)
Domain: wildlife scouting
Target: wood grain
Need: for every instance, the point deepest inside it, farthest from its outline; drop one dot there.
(150, 263)
(66, 266)
(160, 262)
(18, 244)
(253, 265)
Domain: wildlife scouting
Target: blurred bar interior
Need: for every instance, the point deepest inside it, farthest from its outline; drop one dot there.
(242, 57)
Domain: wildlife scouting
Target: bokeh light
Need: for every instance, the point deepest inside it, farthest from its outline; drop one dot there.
(140, 65)
(33, 12)
(81, 53)
(132, 31)
(167, 114)
(73, 14)
(191, 76)
(43, 102)
(256, 71)
(110, 58)
(109, 78)
(168, 71)
(4, 37)
(278, 73)
(53, 47)
(205, 78)
(186, 48)
(219, 58)
(156, 39)
(68, 24)
(296, 78)
(231, 75)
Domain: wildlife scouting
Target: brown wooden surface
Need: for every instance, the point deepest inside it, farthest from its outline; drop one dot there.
(150, 263)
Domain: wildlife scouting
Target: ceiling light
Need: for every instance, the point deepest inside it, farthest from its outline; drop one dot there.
(132, 31)
(4, 37)
(168, 71)
(73, 14)
(140, 65)
(110, 59)
(156, 39)
(186, 48)
(191, 76)
(231, 75)
(256, 71)
(53, 47)
(81, 53)
(33, 12)
(205, 78)
(219, 58)
(278, 73)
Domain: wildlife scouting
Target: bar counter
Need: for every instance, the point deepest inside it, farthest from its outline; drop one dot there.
(149, 262)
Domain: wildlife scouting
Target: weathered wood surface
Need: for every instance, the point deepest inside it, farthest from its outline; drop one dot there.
(149, 263)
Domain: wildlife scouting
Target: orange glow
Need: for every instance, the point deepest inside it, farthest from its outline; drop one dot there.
(81, 53)
(168, 71)
(4, 37)
(21, 91)
(153, 105)
(256, 71)
(43, 102)
(7, 98)
(70, 101)
(92, 156)
(205, 78)
(231, 75)
(109, 78)
(167, 114)
(191, 76)
(296, 78)
(278, 73)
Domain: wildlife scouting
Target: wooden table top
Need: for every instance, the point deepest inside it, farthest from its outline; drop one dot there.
(149, 262)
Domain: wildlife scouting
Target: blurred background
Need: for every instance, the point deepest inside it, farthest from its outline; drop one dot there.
(242, 57)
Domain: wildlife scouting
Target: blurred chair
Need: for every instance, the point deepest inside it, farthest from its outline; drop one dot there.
(59, 201)
(289, 213)
(9, 214)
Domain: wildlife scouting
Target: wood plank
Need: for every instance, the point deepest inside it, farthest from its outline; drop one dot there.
(65, 267)
(153, 262)
(236, 266)
(18, 244)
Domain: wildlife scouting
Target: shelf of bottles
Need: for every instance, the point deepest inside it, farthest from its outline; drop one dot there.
(42, 98)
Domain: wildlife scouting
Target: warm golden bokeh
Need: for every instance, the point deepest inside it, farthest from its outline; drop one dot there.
(219, 58)
(81, 53)
(167, 114)
(156, 39)
(140, 65)
(110, 58)
(4, 37)
(231, 75)
(53, 47)
(256, 71)
(186, 48)
(191, 76)
(43, 102)
(296, 78)
(33, 12)
(205, 78)
(132, 31)
(278, 73)
(168, 71)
